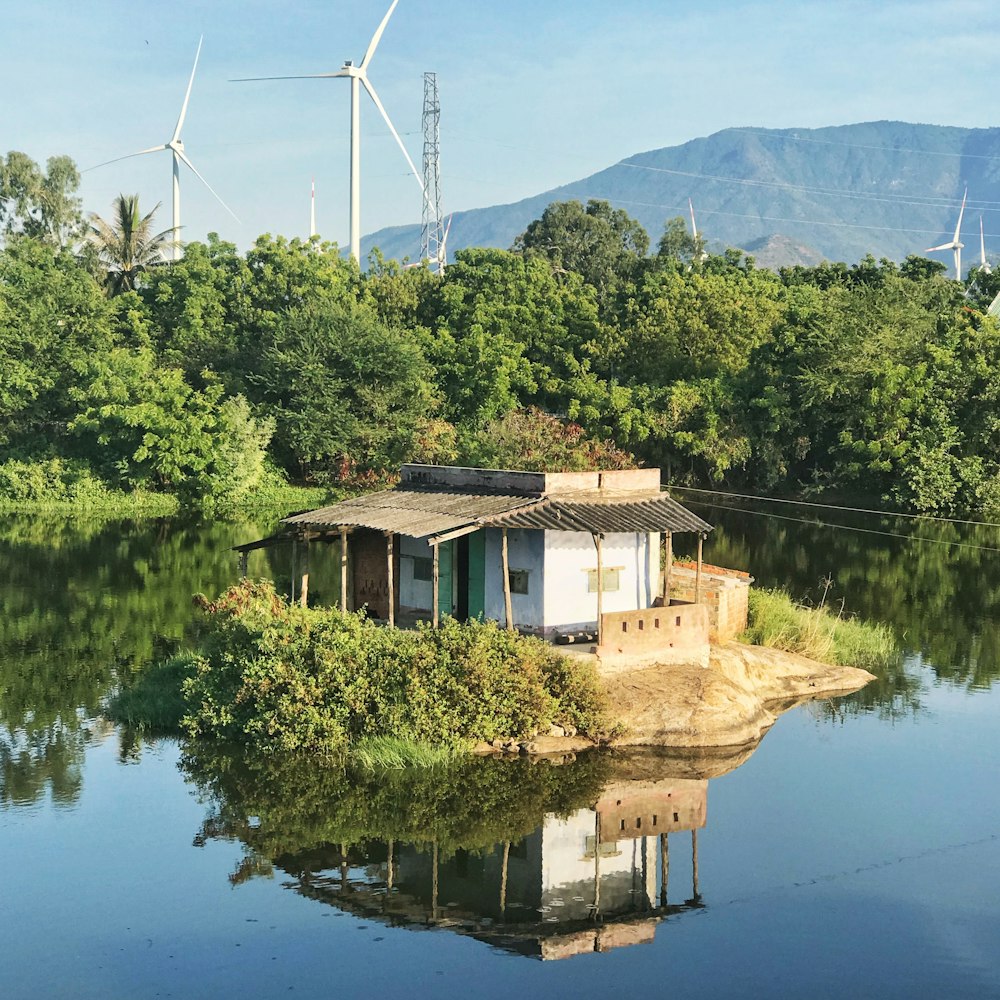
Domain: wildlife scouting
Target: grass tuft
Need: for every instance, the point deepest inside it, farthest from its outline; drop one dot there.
(392, 753)
(775, 620)
(153, 701)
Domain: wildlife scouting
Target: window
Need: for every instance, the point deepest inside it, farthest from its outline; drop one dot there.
(518, 581)
(612, 579)
(423, 568)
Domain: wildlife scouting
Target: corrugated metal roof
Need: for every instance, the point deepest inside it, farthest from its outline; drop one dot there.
(659, 513)
(418, 513)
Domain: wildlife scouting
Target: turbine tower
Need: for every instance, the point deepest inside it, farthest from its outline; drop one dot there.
(432, 236)
(358, 75)
(955, 244)
(984, 264)
(176, 147)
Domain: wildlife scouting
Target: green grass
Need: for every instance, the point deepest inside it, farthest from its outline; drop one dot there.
(775, 620)
(153, 700)
(393, 753)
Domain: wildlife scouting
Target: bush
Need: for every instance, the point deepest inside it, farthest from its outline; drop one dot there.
(776, 620)
(283, 677)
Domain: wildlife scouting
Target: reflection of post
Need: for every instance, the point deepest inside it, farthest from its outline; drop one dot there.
(390, 581)
(343, 569)
(697, 574)
(243, 565)
(388, 878)
(505, 561)
(664, 867)
(503, 878)
(694, 865)
(597, 865)
(343, 867)
(434, 881)
(304, 583)
(436, 582)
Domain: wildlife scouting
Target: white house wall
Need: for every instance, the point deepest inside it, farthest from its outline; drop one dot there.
(414, 594)
(525, 551)
(570, 555)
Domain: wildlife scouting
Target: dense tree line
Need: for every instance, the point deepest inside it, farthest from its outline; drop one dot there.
(225, 370)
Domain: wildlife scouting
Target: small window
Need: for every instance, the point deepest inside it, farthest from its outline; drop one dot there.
(423, 568)
(612, 580)
(518, 581)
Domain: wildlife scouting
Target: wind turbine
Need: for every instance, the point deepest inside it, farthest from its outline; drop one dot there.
(176, 147)
(956, 244)
(703, 255)
(358, 75)
(984, 266)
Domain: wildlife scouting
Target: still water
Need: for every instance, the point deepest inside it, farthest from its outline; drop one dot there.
(854, 853)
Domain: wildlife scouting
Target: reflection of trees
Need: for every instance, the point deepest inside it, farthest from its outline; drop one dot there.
(938, 586)
(291, 807)
(80, 601)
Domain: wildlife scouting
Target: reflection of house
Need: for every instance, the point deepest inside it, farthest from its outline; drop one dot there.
(592, 881)
(547, 553)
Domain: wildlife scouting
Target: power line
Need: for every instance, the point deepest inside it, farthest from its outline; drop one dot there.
(833, 506)
(848, 527)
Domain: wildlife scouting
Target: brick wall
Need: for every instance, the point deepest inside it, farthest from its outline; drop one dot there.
(725, 592)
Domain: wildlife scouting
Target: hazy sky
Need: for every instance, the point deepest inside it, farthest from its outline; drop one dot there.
(533, 94)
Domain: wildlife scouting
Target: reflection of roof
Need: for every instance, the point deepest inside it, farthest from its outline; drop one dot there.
(441, 513)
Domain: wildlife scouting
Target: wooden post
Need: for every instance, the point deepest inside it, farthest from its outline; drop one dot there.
(343, 569)
(295, 560)
(694, 866)
(389, 577)
(668, 565)
(600, 589)
(436, 576)
(697, 574)
(505, 562)
(243, 565)
(304, 582)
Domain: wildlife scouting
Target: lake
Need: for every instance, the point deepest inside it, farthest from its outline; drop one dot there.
(854, 853)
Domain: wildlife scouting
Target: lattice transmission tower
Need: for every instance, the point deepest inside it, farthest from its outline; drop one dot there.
(432, 232)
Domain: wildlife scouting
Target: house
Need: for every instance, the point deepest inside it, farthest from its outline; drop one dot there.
(569, 556)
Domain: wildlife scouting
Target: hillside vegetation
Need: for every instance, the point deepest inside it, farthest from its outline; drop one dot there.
(225, 376)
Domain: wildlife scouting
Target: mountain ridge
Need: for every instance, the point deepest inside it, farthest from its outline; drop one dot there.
(838, 192)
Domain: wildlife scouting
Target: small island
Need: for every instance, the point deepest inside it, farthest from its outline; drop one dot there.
(489, 610)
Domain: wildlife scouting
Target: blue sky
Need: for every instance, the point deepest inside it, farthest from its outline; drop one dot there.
(534, 94)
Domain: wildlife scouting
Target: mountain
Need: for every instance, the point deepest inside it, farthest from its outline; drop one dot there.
(798, 195)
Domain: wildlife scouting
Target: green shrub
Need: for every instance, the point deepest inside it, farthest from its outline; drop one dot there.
(288, 678)
(776, 620)
(153, 701)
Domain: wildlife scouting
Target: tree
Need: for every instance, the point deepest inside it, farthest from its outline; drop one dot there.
(40, 204)
(127, 245)
(680, 245)
(601, 243)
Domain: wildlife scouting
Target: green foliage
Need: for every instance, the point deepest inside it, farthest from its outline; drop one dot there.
(533, 440)
(40, 204)
(776, 620)
(127, 246)
(282, 677)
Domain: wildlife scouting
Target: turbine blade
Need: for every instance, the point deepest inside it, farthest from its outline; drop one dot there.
(194, 170)
(392, 128)
(944, 246)
(961, 212)
(377, 37)
(187, 94)
(982, 243)
(128, 156)
(306, 76)
(694, 228)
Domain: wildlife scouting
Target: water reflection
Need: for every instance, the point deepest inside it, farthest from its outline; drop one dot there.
(548, 859)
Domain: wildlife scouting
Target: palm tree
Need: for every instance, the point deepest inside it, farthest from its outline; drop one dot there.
(127, 246)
